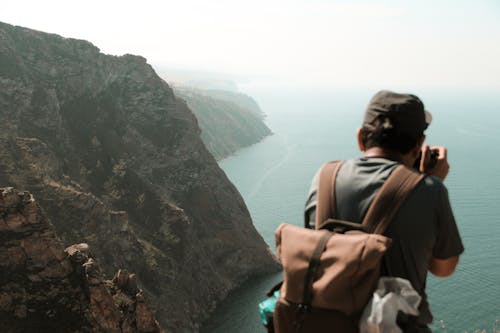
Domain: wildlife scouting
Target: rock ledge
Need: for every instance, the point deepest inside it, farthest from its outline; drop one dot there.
(45, 288)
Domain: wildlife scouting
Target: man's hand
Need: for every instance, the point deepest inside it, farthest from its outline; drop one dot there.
(441, 167)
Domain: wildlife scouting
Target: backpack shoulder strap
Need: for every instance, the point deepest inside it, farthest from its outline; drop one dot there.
(390, 198)
(325, 203)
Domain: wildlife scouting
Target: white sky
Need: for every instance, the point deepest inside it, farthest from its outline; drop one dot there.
(427, 43)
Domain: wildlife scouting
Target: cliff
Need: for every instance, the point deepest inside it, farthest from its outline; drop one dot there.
(228, 120)
(44, 288)
(243, 101)
(116, 161)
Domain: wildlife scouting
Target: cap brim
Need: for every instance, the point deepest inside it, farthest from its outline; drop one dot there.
(428, 117)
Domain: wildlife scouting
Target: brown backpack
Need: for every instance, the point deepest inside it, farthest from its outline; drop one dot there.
(330, 273)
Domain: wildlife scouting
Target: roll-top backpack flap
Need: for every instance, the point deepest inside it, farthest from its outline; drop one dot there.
(295, 246)
(348, 261)
(277, 237)
(366, 278)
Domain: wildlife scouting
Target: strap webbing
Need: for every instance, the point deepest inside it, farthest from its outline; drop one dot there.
(384, 206)
(325, 203)
(390, 198)
(311, 270)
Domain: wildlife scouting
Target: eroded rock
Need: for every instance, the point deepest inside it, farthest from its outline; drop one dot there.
(44, 288)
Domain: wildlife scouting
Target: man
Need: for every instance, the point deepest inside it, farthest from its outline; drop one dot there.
(424, 232)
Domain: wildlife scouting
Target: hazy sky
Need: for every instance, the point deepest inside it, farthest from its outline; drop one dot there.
(436, 43)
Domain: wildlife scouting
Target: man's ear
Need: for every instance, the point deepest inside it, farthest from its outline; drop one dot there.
(361, 145)
(421, 141)
(418, 147)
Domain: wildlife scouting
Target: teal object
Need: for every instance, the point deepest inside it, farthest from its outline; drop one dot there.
(266, 308)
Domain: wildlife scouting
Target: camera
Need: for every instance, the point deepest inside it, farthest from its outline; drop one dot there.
(434, 154)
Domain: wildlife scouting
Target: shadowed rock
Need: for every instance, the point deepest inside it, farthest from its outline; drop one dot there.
(44, 288)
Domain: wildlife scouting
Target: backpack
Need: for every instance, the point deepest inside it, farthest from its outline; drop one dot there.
(330, 273)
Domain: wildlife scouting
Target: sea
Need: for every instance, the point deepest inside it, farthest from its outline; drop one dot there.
(313, 126)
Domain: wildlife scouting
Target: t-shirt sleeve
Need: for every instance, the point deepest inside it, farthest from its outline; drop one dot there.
(448, 241)
(312, 199)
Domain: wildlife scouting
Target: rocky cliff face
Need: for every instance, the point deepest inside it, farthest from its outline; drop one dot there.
(116, 161)
(44, 288)
(243, 101)
(228, 121)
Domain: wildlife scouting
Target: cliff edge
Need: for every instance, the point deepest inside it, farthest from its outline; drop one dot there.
(228, 120)
(116, 161)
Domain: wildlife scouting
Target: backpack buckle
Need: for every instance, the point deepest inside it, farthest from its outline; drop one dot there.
(302, 310)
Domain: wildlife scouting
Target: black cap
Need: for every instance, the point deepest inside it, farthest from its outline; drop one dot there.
(405, 111)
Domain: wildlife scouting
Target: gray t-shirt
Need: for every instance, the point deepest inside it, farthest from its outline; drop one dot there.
(424, 227)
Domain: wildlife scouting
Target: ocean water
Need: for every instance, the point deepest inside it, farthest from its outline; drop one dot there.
(310, 128)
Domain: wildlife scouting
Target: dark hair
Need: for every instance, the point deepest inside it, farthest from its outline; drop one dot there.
(384, 133)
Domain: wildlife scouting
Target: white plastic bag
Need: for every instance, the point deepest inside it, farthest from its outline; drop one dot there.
(392, 295)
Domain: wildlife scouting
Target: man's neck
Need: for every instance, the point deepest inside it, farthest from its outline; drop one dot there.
(388, 154)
